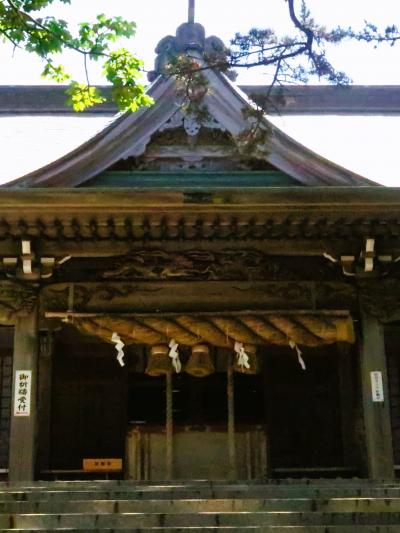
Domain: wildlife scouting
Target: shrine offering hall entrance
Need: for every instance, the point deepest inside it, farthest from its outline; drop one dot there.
(274, 419)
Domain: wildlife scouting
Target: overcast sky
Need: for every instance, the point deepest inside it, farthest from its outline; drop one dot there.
(157, 18)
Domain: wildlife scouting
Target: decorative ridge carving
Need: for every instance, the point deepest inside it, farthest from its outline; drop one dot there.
(190, 124)
(190, 36)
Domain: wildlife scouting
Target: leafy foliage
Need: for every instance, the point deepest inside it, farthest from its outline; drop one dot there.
(192, 83)
(47, 36)
(82, 96)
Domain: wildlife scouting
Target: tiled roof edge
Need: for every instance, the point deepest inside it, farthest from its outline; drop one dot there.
(311, 99)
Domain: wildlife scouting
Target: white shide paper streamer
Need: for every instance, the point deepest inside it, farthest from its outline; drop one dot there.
(242, 357)
(119, 345)
(294, 346)
(174, 355)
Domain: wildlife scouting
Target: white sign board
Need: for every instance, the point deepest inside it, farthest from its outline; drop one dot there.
(22, 395)
(377, 386)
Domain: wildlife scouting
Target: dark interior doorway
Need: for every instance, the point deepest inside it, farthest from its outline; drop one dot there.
(303, 410)
(95, 401)
(88, 416)
(196, 401)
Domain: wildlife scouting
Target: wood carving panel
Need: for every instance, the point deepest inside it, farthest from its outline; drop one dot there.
(233, 265)
(196, 265)
(16, 299)
(200, 296)
(380, 298)
(333, 295)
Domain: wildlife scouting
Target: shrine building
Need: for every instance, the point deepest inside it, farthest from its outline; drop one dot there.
(174, 307)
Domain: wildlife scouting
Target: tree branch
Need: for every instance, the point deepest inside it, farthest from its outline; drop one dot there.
(304, 29)
(36, 24)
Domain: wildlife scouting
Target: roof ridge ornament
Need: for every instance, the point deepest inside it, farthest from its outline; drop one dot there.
(191, 11)
(190, 38)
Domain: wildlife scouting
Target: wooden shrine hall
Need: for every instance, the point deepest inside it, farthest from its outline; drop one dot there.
(176, 306)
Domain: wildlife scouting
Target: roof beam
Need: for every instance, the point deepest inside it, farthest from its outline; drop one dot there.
(300, 99)
(273, 247)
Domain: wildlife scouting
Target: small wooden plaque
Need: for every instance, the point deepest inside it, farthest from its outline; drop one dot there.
(102, 465)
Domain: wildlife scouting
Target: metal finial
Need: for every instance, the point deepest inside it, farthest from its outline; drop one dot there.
(191, 11)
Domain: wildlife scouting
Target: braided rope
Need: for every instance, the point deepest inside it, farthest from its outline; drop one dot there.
(204, 329)
(222, 331)
(172, 329)
(264, 329)
(237, 330)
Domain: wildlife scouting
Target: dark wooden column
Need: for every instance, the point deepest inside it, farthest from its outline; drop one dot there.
(346, 392)
(378, 431)
(231, 421)
(46, 345)
(169, 427)
(23, 428)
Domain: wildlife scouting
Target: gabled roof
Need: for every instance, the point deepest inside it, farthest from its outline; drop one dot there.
(129, 134)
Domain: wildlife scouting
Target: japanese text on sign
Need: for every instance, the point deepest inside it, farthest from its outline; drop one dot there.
(22, 396)
(377, 386)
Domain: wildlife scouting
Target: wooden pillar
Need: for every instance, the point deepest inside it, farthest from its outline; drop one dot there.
(169, 427)
(346, 393)
(231, 422)
(46, 346)
(23, 428)
(378, 431)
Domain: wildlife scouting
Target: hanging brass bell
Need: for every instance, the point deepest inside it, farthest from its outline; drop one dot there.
(200, 363)
(159, 363)
(254, 361)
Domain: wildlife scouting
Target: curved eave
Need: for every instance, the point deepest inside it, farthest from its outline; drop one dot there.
(129, 134)
(282, 151)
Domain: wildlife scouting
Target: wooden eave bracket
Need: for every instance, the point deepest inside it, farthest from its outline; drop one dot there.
(27, 265)
(368, 262)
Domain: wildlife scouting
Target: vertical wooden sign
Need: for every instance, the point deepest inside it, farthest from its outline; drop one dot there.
(377, 387)
(22, 396)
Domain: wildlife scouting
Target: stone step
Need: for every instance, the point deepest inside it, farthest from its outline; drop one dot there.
(210, 493)
(142, 495)
(250, 529)
(90, 521)
(198, 485)
(37, 485)
(97, 506)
